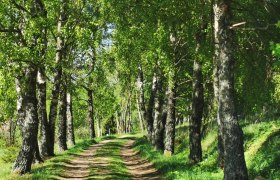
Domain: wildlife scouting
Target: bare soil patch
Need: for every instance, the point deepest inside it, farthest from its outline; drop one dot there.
(138, 168)
(80, 167)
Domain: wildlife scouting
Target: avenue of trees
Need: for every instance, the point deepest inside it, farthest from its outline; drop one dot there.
(67, 66)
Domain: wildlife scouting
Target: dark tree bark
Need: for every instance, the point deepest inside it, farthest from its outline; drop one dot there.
(70, 124)
(170, 119)
(90, 115)
(171, 97)
(159, 140)
(197, 101)
(62, 123)
(216, 94)
(197, 113)
(53, 107)
(158, 134)
(150, 109)
(216, 97)
(234, 162)
(37, 157)
(30, 121)
(42, 113)
(58, 73)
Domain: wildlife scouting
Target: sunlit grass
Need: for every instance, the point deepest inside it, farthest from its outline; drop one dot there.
(53, 167)
(262, 154)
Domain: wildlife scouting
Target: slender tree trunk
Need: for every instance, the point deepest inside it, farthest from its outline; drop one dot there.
(129, 122)
(129, 119)
(197, 113)
(11, 128)
(90, 115)
(30, 121)
(234, 162)
(139, 115)
(118, 123)
(171, 98)
(150, 109)
(160, 141)
(216, 95)
(125, 118)
(197, 101)
(141, 94)
(58, 73)
(20, 110)
(62, 123)
(99, 126)
(170, 119)
(42, 113)
(158, 124)
(70, 124)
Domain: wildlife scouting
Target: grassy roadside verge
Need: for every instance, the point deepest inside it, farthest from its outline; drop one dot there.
(262, 153)
(54, 166)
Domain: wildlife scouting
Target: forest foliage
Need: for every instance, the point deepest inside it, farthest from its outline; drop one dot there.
(135, 66)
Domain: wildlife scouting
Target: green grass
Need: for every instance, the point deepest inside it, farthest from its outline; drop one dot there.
(262, 142)
(52, 167)
(262, 153)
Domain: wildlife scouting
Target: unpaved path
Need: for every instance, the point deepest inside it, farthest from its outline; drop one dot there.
(138, 168)
(97, 162)
(80, 166)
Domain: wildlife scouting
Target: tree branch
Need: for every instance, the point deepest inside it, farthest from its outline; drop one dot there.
(10, 30)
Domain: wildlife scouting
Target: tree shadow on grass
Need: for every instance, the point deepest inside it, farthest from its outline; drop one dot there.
(170, 167)
(266, 162)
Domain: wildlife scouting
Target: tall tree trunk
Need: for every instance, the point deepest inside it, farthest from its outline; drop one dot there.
(53, 107)
(129, 122)
(58, 73)
(171, 97)
(125, 117)
(170, 119)
(234, 162)
(62, 123)
(140, 115)
(197, 101)
(70, 124)
(150, 109)
(118, 123)
(30, 121)
(197, 113)
(163, 117)
(216, 95)
(90, 115)
(141, 94)
(158, 123)
(20, 110)
(42, 113)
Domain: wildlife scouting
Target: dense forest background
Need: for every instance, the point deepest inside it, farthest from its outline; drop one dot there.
(72, 70)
